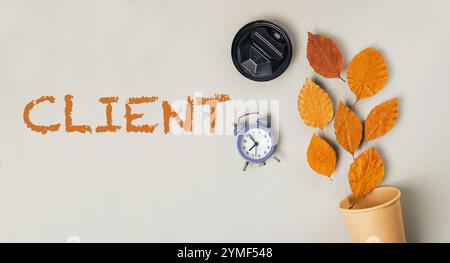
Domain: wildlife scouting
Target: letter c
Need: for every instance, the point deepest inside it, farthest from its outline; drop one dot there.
(39, 128)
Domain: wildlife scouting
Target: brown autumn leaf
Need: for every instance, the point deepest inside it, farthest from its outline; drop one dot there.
(321, 156)
(324, 56)
(381, 119)
(366, 173)
(367, 73)
(314, 105)
(348, 128)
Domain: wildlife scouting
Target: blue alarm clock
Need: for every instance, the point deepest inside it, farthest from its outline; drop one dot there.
(255, 142)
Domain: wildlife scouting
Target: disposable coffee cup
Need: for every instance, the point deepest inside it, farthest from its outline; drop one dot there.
(376, 217)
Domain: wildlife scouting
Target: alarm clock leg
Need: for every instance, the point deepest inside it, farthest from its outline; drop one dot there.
(276, 158)
(245, 166)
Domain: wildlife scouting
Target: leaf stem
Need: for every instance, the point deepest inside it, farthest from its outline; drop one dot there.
(354, 104)
(353, 203)
(342, 79)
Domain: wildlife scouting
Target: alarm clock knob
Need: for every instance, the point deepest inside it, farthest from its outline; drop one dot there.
(264, 122)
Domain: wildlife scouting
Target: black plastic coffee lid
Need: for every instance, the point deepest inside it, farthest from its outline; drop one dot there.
(261, 50)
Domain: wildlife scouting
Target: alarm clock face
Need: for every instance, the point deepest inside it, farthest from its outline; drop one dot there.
(256, 144)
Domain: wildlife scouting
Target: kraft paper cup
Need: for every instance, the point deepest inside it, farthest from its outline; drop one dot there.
(376, 217)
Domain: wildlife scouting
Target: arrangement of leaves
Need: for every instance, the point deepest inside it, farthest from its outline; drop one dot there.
(366, 75)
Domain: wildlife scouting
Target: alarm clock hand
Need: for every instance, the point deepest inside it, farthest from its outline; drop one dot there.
(251, 148)
(251, 138)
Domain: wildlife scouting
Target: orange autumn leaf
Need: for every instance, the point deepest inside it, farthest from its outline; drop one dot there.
(367, 73)
(324, 56)
(366, 173)
(314, 105)
(348, 128)
(381, 119)
(321, 156)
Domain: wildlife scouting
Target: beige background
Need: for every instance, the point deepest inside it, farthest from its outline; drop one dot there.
(128, 187)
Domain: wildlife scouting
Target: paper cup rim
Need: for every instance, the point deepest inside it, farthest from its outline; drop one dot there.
(364, 210)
